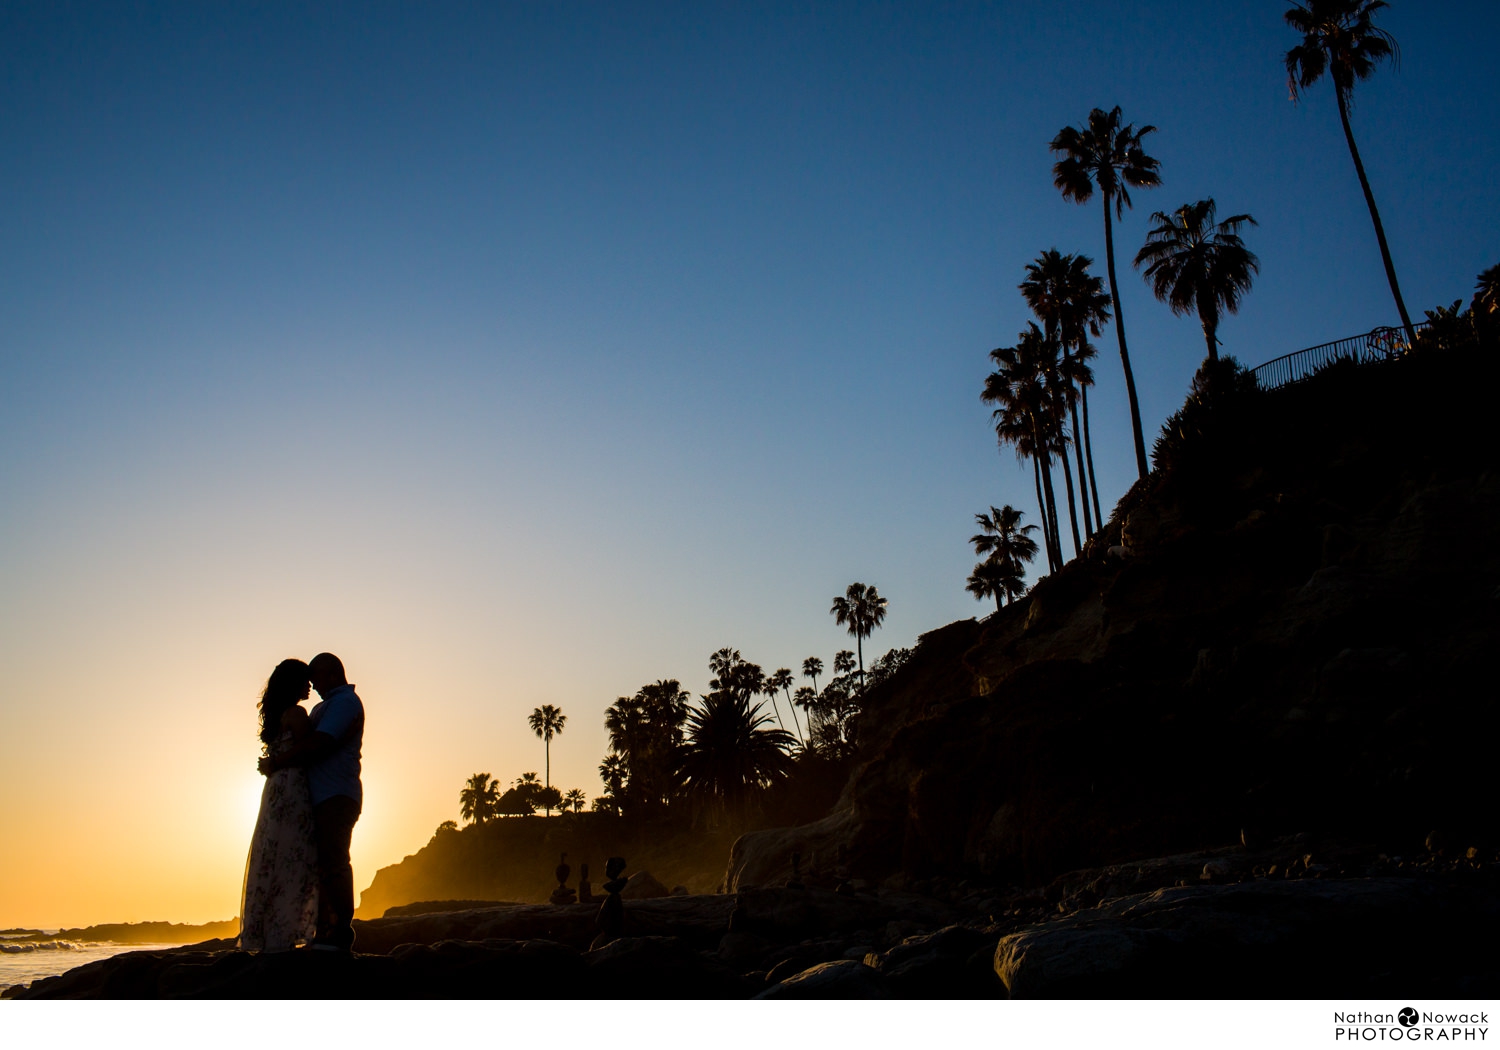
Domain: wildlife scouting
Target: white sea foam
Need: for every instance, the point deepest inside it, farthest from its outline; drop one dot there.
(23, 967)
(14, 948)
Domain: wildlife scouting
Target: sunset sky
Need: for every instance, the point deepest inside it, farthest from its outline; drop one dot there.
(525, 353)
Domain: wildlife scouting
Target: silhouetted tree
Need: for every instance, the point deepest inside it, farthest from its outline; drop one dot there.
(812, 666)
(861, 609)
(1339, 37)
(615, 773)
(549, 798)
(1487, 292)
(782, 680)
(730, 753)
(1109, 156)
(476, 802)
(843, 661)
(546, 722)
(993, 579)
(1198, 264)
(646, 730)
(1023, 386)
(1003, 543)
(575, 800)
(1072, 305)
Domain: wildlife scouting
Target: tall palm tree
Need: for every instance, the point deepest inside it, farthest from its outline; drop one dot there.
(861, 609)
(783, 680)
(1072, 304)
(730, 752)
(477, 800)
(1002, 538)
(992, 578)
(1198, 264)
(811, 668)
(1340, 37)
(1108, 156)
(546, 722)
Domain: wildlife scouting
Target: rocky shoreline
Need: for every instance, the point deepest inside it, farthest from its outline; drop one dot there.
(1301, 917)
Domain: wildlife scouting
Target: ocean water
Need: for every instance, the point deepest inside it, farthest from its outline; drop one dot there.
(22, 962)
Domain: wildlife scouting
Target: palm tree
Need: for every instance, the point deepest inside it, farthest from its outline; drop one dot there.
(783, 680)
(843, 661)
(614, 772)
(1487, 292)
(1002, 538)
(862, 609)
(1199, 264)
(547, 722)
(811, 668)
(993, 578)
(477, 800)
(729, 752)
(1072, 304)
(1108, 156)
(1024, 387)
(645, 730)
(575, 800)
(1340, 37)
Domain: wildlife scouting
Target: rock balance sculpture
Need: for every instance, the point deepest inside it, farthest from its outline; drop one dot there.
(563, 895)
(611, 918)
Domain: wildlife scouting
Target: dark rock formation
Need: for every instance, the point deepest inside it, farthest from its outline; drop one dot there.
(1265, 939)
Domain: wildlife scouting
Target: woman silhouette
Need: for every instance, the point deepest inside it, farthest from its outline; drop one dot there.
(279, 905)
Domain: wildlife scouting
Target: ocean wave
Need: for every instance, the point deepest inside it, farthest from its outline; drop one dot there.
(40, 946)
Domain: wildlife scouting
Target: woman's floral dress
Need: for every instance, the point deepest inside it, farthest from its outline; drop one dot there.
(279, 907)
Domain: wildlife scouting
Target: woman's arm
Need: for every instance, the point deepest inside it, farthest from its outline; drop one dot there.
(294, 719)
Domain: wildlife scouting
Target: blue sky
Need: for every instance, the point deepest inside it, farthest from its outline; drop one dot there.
(524, 353)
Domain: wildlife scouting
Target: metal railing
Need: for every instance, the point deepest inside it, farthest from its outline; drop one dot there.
(1382, 344)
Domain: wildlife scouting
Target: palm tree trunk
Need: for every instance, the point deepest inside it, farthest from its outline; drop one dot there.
(797, 725)
(1114, 294)
(1088, 447)
(547, 766)
(1213, 344)
(1385, 251)
(1068, 481)
(1083, 488)
(1054, 537)
(1041, 506)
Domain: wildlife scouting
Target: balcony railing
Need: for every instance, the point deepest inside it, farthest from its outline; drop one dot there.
(1382, 344)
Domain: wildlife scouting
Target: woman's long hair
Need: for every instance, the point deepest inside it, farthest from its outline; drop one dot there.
(283, 689)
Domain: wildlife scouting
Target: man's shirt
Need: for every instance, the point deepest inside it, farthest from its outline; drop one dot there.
(341, 716)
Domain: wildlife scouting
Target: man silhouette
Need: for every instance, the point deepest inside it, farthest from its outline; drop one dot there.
(330, 753)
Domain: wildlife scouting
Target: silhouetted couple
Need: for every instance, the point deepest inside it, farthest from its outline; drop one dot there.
(299, 886)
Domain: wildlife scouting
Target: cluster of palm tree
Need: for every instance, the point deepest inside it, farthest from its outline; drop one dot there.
(482, 799)
(1194, 262)
(1005, 549)
(717, 754)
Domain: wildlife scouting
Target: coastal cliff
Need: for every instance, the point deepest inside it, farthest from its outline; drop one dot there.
(1287, 628)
